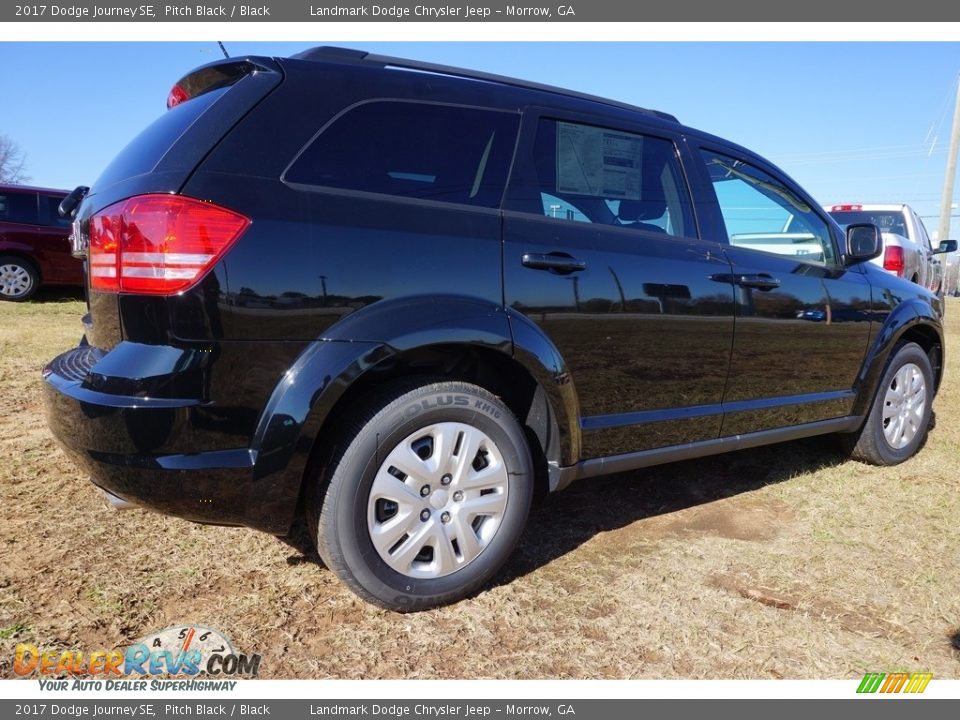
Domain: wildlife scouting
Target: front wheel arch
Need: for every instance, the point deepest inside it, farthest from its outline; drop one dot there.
(900, 412)
(910, 321)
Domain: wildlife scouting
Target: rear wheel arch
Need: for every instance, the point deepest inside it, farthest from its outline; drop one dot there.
(452, 338)
(494, 371)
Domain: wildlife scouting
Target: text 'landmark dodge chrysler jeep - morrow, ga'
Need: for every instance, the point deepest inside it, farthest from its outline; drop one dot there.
(386, 298)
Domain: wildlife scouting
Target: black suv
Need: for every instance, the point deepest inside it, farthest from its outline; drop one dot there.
(390, 299)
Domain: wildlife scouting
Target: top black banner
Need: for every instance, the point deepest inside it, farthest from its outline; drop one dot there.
(479, 11)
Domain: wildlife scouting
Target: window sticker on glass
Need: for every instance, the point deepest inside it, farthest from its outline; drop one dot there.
(597, 162)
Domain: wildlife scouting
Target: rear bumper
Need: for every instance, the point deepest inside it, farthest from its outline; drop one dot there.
(145, 450)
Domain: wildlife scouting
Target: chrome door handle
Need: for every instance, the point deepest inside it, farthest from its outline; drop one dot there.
(556, 262)
(757, 282)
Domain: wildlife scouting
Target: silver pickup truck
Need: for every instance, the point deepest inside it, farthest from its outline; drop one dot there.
(907, 251)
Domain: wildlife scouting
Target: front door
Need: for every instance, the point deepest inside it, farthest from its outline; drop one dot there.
(803, 320)
(602, 253)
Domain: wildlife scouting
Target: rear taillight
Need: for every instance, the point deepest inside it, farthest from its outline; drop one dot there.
(158, 244)
(835, 208)
(893, 259)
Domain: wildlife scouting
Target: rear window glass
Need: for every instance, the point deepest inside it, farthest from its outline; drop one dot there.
(414, 150)
(18, 207)
(147, 149)
(888, 221)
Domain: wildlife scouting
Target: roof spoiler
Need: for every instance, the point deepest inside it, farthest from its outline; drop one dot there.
(213, 77)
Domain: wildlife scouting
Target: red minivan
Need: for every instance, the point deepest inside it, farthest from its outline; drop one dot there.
(34, 242)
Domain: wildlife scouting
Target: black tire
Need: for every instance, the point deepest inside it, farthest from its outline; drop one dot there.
(19, 279)
(872, 445)
(343, 512)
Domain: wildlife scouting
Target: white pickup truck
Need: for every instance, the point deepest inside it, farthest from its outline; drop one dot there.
(907, 251)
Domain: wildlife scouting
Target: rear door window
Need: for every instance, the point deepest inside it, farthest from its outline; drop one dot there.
(413, 150)
(591, 174)
(18, 207)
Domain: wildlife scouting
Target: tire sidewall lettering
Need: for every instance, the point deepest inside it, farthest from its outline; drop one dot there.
(417, 407)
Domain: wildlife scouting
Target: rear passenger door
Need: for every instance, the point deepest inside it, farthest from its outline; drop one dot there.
(603, 253)
(803, 320)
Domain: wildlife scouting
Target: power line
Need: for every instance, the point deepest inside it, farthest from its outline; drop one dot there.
(861, 158)
(911, 149)
(870, 149)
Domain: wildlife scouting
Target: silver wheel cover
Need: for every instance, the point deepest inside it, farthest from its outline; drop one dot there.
(903, 406)
(14, 281)
(437, 500)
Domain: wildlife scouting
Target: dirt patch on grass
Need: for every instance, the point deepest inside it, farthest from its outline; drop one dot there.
(796, 599)
(786, 561)
(755, 521)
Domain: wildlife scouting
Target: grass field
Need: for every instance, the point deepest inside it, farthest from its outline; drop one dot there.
(781, 562)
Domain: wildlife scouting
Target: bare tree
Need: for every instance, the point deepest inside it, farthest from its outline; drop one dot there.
(13, 162)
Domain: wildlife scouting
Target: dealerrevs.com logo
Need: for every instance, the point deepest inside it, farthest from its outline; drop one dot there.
(178, 651)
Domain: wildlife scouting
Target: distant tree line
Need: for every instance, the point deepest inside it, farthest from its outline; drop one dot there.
(13, 162)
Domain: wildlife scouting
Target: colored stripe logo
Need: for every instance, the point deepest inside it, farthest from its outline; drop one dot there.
(894, 683)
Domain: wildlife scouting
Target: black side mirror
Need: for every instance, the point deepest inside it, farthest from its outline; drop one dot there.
(68, 205)
(863, 243)
(946, 246)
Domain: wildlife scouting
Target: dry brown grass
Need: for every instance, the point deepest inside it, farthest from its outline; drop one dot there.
(779, 562)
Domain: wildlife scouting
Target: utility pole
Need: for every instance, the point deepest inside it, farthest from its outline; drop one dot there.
(946, 204)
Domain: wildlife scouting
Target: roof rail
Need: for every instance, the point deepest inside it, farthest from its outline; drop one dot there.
(348, 55)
